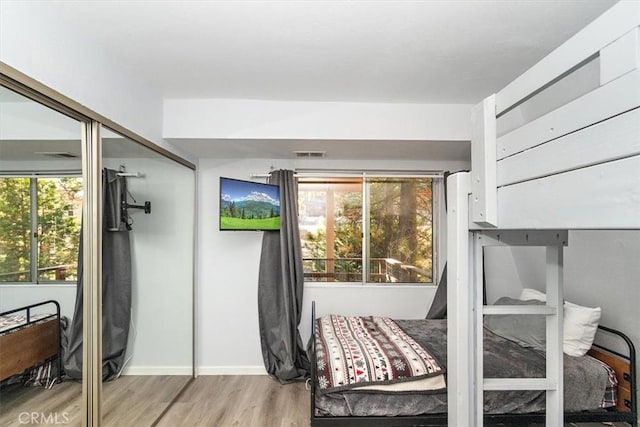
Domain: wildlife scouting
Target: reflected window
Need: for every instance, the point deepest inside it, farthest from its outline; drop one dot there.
(39, 228)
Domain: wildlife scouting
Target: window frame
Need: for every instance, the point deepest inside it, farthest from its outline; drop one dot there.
(437, 224)
(34, 223)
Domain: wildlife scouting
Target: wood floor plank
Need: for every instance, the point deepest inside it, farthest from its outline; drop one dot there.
(126, 401)
(252, 400)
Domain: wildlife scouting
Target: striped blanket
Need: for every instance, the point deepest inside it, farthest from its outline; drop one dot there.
(372, 353)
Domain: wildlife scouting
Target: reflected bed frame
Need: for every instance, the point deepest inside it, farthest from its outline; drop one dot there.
(32, 343)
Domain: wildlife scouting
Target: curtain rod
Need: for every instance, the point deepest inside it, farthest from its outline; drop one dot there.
(65, 172)
(372, 171)
(122, 171)
(365, 172)
(35, 174)
(131, 174)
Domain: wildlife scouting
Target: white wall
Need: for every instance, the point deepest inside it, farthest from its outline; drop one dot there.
(253, 119)
(33, 121)
(602, 269)
(33, 41)
(14, 296)
(41, 166)
(160, 340)
(228, 274)
(501, 274)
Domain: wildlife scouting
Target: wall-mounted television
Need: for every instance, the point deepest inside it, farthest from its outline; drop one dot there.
(248, 205)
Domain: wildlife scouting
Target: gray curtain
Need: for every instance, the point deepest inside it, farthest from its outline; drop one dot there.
(438, 309)
(116, 286)
(280, 287)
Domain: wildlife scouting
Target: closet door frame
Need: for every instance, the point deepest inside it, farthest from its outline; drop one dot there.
(92, 273)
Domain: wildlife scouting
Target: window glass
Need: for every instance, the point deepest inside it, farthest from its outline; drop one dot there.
(59, 219)
(330, 221)
(55, 231)
(398, 247)
(15, 230)
(400, 230)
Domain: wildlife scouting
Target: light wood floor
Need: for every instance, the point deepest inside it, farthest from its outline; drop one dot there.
(138, 401)
(126, 401)
(239, 401)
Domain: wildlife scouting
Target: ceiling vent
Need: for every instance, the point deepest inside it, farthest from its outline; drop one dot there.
(58, 154)
(310, 154)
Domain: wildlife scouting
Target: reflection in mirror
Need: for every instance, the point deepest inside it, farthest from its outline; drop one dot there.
(41, 192)
(149, 341)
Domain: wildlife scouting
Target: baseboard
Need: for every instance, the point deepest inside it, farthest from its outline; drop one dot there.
(157, 370)
(202, 370)
(232, 370)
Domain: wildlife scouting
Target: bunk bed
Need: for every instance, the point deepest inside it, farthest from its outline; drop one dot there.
(28, 340)
(557, 149)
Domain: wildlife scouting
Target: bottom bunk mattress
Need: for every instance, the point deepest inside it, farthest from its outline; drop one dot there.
(588, 383)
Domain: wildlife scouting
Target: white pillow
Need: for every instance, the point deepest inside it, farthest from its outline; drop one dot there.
(528, 293)
(580, 326)
(580, 323)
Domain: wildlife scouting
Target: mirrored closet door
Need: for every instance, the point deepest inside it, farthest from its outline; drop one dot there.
(100, 227)
(41, 206)
(147, 281)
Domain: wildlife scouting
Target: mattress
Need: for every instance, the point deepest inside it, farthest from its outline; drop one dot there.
(14, 322)
(586, 380)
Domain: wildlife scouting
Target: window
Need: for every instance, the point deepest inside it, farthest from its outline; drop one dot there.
(39, 229)
(395, 245)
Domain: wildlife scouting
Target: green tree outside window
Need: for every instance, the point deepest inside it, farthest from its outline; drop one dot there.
(59, 204)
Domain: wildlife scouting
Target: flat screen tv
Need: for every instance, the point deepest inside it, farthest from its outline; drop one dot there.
(248, 205)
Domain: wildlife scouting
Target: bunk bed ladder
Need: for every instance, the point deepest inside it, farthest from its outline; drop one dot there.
(466, 311)
(554, 241)
(536, 172)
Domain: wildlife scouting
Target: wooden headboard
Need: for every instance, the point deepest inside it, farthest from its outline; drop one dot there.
(622, 367)
(32, 343)
(29, 346)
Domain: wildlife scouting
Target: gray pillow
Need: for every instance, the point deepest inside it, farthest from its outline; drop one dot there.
(527, 330)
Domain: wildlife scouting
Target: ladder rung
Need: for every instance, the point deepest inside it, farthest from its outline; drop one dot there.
(519, 309)
(519, 384)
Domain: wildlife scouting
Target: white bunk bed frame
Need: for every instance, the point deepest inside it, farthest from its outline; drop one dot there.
(575, 167)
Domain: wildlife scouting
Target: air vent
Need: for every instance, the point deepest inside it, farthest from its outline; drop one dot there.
(310, 154)
(58, 154)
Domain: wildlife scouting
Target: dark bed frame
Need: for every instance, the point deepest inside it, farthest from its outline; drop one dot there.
(31, 344)
(626, 411)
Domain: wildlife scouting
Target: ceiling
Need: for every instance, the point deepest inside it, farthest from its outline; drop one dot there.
(343, 51)
(360, 51)
(70, 149)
